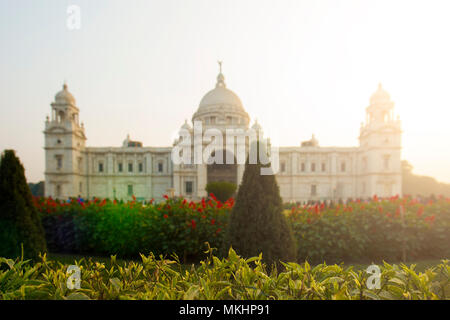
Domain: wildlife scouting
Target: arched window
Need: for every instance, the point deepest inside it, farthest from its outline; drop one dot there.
(60, 116)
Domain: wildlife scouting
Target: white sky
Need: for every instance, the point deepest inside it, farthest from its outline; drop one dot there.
(299, 67)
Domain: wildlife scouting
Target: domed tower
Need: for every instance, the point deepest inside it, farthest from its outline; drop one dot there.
(380, 144)
(64, 147)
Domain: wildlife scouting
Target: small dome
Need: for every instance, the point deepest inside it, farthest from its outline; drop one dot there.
(256, 126)
(64, 96)
(380, 96)
(186, 126)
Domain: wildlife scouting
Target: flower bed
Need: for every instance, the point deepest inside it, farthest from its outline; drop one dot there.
(360, 231)
(373, 230)
(104, 227)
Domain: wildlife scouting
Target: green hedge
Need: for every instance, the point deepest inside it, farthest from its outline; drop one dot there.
(357, 232)
(231, 278)
(377, 230)
(128, 229)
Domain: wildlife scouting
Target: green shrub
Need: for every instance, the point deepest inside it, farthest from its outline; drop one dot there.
(20, 224)
(231, 278)
(222, 190)
(256, 222)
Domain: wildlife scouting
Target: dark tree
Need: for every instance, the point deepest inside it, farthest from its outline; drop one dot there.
(257, 223)
(20, 224)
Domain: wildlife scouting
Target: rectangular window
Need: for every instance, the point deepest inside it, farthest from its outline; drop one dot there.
(324, 167)
(130, 190)
(283, 166)
(80, 163)
(303, 167)
(364, 163)
(141, 167)
(80, 187)
(343, 167)
(160, 167)
(120, 167)
(313, 190)
(386, 162)
(130, 167)
(213, 120)
(313, 167)
(59, 162)
(188, 187)
(100, 167)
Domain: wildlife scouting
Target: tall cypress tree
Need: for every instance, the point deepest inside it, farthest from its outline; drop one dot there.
(257, 223)
(20, 224)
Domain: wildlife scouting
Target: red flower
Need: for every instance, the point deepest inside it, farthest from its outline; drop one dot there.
(380, 209)
(200, 210)
(203, 203)
(193, 224)
(184, 201)
(203, 217)
(134, 198)
(420, 212)
(218, 230)
(213, 221)
(213, 196)
(166, 197)
(165, 216)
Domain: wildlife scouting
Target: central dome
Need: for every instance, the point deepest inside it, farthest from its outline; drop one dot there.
(221, 96)
(222, 104)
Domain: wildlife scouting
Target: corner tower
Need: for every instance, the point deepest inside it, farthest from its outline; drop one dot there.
(64, 149)
(380, 145)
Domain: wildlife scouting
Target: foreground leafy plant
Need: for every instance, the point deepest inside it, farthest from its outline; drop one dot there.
(231, 278)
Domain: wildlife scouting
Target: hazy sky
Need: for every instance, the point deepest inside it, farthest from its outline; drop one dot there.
(299, 67)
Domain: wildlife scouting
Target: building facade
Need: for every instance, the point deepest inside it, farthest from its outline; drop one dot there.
(306, 172)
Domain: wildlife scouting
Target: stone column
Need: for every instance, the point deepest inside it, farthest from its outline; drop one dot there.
(202, 176)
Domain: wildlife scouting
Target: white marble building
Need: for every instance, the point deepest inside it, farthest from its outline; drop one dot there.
(307, 171)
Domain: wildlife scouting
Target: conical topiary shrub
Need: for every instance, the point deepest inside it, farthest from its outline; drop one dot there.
(20, 224)
(257, 223)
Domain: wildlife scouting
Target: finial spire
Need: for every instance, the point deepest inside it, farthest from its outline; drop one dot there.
(220, 77)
